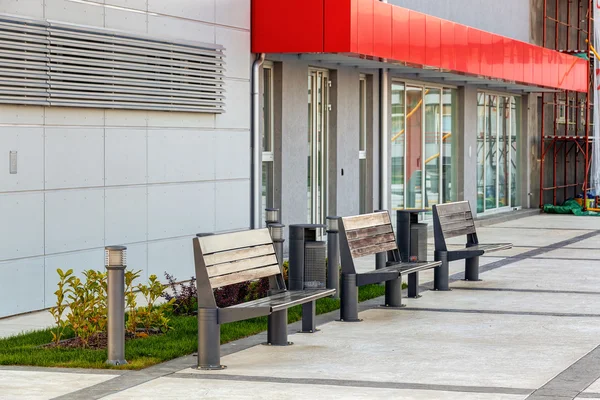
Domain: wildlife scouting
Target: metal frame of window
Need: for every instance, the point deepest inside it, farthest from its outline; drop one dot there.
(268, 154)
(424, 86)
(323, 75)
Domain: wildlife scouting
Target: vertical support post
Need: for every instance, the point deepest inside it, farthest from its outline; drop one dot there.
(393, 293)
(115, 265)
(333, 256)
(308, 317)
(441, 273)
(209, 339)
(349, 299)
(472, 269)
(413, 285)
(277, 328)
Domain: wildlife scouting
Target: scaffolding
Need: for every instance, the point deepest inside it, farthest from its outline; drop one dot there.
(566, 117)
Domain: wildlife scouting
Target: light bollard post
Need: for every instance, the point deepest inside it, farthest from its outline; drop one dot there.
(333, 255)
(115, 265)
(272, 216)
(276, 231)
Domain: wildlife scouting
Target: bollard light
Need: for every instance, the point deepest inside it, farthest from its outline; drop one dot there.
(116, 261)
(271, 215)
(332, 224)
(116, 256)
(276, 231)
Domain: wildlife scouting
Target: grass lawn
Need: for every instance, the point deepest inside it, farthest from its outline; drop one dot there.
(25, 349)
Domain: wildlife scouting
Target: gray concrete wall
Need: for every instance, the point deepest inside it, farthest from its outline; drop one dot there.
(507, 17)
(292, 133)
(344, 131)
(467, 146)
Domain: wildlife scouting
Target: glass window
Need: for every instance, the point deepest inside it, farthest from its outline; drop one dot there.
(414, 153)
(432, 146)
(497, 163)
(515, 118)
(481, 129)
(398, 139)
(268, 159)
(449, 148)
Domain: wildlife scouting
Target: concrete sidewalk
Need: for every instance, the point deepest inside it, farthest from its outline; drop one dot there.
(529, 330)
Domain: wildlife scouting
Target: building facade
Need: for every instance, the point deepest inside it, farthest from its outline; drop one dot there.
(102, 170)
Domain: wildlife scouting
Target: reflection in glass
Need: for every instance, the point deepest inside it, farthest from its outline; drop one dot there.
(514, 118)
(448, 145)
(432, 140)
(414, 160)
(398, 142)
(503, 152)
(491, 162)
(481, 129)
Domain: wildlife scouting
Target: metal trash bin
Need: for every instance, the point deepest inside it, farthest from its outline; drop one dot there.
(307, 258)
(418, 241)
(307, 268)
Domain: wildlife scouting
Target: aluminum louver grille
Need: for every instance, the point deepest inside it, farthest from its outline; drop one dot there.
(23, 61)
(67, 65)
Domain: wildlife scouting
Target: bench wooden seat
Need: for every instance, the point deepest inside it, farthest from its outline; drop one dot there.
(287, 299)
(452, 220)
(365, 235)
(231, 258)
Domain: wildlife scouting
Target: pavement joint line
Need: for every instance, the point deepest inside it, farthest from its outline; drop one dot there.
(501, 312)
(574, 380)
(527, 290)
(136, 378)
(527, 255)
(542, 228)
(356, 383)
(589, 395)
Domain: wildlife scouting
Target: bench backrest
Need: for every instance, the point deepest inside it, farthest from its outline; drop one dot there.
(231, 258)
(451, 220)
(364, 235)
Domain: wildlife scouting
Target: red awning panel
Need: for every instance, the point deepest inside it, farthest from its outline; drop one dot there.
(374, 30)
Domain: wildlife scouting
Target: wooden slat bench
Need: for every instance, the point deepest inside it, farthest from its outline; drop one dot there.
(226, 259)
(365, 235)
(452, 220)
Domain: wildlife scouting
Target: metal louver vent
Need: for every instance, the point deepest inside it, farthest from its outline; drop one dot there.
(56, 64)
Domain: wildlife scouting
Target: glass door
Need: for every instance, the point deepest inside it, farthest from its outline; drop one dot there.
(496, 152)
(318, 107)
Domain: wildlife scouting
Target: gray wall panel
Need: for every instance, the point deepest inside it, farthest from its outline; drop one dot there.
(507, 17)
(294, 145)
(345, 128)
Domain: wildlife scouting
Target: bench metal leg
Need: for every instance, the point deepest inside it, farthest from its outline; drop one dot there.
(209, 339)
(413, 285)
(472, 269)
(277, 328)
(349, 299)
(393, 293)
(441, 273)
(308, 317)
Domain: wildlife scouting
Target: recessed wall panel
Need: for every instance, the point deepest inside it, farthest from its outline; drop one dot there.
(181, 155)
(125, 156)
(28, 143)
(23, 286)
(125, 215)
(21, 225)
(74, 157)
(180, 209)
(74, 220)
